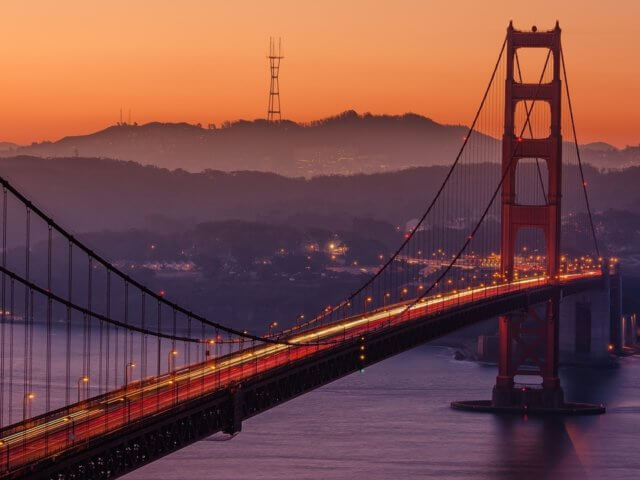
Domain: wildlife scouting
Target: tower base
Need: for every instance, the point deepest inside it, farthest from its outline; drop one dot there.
(529, 401)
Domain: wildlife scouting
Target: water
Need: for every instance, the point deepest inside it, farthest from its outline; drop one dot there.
(394, 422)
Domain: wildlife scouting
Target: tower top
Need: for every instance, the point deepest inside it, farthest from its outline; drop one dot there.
(275, 48)
(534, 29)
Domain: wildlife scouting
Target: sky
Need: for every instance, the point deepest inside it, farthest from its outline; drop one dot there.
(67, 67)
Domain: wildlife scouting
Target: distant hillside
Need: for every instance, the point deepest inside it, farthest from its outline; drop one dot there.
(603, 155)
(599, 147)
(89, 194)
(8, 147)
(347, 143)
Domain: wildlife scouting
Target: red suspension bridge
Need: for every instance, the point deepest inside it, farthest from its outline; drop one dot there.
(100, 375)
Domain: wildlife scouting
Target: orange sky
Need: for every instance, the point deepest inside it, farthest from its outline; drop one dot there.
(67, 67)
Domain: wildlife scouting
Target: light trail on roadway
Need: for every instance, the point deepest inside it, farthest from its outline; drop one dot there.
(117, 409)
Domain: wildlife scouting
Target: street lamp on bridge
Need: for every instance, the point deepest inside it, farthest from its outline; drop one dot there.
(128, 366)
(385, 299)
(26, 408)
(272, 325)
(366, 301)
(83, 383)
(171, 361)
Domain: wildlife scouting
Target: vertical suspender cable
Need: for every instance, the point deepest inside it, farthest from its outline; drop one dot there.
(159, 353)
(26, 318)
(11, 336)
(89, 319)
(49, 325)
(142, 324)
(4, 302)
(115, 353)
(143, 353)
(125, 335)
(108, 332)
(68, 346)
(575, 140)
(100, 353)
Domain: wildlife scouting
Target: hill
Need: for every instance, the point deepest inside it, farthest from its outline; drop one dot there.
(345, 144)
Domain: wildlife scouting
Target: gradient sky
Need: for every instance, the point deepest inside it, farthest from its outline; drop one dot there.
(68, 66)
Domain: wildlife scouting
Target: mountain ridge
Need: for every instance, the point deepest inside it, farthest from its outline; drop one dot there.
(347, 143)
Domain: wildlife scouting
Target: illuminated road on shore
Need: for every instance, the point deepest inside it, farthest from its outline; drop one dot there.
(92, 418)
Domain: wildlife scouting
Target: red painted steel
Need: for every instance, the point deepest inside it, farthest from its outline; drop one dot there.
(541, 344)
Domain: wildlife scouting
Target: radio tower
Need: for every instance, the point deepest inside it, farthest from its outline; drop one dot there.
(275, 55)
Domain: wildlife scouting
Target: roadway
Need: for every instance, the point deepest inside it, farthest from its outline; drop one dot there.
(71, 427)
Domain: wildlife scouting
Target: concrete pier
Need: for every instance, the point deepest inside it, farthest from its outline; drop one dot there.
(590, 328)
(630, 329)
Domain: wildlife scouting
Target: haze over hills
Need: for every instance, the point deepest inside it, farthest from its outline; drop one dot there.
(90, 194)
(348, 143)
(232, 224)
(8, 147)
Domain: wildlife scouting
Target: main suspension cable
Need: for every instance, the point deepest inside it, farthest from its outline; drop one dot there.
(486, 210)
(31, 207)
(415, 229)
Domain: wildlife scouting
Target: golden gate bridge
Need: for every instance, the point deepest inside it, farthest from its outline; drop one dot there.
(100, 375)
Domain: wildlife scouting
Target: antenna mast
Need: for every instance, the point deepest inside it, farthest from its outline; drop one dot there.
(275, 55)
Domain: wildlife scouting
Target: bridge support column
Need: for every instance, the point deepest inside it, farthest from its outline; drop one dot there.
(552, 394)
(615, 312)
(582, 328)
(503, 389)
(529, 346)
(586, 324)
(535, 338)
(629, 332)
(233, 423)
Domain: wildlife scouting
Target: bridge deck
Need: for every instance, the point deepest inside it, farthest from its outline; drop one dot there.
(41, 442)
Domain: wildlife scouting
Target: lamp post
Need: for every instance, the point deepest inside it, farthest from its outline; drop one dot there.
(171, 361)
(207, 350)
(128, 366)
(26, 407)
(271, 325)
(83, 382)
(366, 301)
(386, 297)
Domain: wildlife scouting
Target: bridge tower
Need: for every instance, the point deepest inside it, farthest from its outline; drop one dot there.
(534, 333)
(529, 334)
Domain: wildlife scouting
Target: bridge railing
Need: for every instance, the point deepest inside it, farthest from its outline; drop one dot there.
(77, 424)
